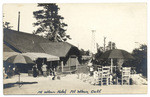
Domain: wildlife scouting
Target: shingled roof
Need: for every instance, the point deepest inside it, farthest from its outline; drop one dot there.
(57, 48)
(25, 42)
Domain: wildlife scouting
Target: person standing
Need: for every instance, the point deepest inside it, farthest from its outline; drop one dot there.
(35, 73)
(44, 70)
(91, 70)
(54, 73)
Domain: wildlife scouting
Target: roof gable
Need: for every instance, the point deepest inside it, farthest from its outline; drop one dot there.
(56, 48)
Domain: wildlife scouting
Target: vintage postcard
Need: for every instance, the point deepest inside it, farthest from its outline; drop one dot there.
(75, 48)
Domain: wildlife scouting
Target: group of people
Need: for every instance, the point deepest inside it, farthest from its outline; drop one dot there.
(44, 71)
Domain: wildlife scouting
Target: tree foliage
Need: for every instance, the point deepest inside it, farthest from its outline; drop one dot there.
(50, 23)
(85, 56)
(140, 60)
(97, 59)
(83, 52)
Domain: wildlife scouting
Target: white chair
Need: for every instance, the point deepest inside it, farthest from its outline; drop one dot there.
(100, 76)
(96, 77)
(104, 75)
(126, 71)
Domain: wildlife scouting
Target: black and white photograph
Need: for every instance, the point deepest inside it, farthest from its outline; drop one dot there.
(74, 48)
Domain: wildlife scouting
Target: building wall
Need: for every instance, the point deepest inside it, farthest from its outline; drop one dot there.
(71, 64)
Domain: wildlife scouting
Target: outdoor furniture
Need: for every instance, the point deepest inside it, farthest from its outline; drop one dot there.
(104, 75)
(96, 76)
(116, 54)
(100, 73)
(126, 75)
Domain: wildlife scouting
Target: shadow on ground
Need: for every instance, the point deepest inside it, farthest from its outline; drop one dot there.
(9, 85)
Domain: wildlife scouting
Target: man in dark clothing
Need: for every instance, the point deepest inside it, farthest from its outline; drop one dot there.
(35, 73)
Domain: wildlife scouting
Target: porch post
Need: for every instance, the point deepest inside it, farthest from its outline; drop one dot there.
(58, 66)
(76, 63)
(111, 65)
(62, 66)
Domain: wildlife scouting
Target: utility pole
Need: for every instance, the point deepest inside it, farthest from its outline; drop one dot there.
(97, 47)
(93, 44)
(111, 58)
(104, 43)
(18, 20)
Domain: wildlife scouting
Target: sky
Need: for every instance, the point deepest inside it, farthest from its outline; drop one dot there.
(122, 23)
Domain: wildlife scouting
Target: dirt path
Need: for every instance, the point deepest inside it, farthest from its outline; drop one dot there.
(67, 85)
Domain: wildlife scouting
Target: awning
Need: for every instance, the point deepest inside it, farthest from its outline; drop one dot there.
(34, 56)
(6, 55)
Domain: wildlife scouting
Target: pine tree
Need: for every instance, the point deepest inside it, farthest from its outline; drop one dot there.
(50, 23)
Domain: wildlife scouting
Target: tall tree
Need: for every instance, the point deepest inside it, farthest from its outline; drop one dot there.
(141, 59)
(50, 23)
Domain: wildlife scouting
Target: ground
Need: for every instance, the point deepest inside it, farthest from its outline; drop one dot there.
(69, 84)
